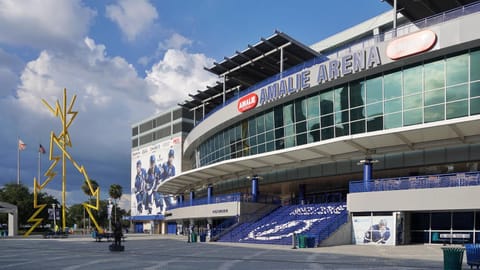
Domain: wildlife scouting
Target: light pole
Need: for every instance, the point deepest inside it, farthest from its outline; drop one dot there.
(109, 211)
(54, 217)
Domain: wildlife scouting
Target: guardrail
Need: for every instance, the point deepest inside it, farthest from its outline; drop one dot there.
(417, 182)
(235, 197)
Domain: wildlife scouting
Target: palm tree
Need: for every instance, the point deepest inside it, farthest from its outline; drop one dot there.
(89, 193)
(115, 193)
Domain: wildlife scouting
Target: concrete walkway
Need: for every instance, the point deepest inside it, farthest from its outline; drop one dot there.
(173, 252)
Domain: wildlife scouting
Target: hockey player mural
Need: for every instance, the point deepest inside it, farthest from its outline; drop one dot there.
(151, 165)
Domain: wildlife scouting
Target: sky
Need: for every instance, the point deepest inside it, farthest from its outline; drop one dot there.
(126, 60)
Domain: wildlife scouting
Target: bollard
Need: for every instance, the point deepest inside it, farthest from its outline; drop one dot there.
(294, 241)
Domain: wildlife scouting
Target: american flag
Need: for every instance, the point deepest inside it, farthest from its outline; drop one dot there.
(21, 145)
(41, 149)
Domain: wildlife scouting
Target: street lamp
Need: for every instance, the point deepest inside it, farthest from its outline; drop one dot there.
(54, 217)
(109, 211)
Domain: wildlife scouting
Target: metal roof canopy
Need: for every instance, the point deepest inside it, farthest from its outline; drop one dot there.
(254, 64)
(421, 9)
(450, 132)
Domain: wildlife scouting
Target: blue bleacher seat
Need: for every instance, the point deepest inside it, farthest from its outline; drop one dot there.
(279, 226)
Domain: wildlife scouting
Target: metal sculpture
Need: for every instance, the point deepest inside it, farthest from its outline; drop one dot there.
(61, 142)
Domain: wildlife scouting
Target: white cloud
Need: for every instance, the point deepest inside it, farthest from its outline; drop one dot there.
(110, 98)
(178, 74)
(176, 41)
(132, 16)
(43, 23)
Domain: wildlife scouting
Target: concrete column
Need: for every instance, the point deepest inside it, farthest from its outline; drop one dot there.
(163, 227)
(12, 223)
(192, 197)
(255, 189)
(209, 194)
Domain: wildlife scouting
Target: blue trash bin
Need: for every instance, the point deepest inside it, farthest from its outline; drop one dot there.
(310, 241)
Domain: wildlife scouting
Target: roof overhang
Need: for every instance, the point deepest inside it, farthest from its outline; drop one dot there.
(267, 58)
(424, 136)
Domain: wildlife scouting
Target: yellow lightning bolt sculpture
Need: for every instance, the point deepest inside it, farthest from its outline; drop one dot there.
(62, 142)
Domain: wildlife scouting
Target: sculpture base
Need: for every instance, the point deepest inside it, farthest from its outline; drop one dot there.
(114, 247)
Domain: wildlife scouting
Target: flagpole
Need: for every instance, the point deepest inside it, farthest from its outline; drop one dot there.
(38, 179)
(18, 161)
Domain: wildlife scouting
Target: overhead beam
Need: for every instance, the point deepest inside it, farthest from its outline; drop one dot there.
(405, 140)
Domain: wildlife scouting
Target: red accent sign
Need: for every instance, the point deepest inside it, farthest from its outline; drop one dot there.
(411, 44)
(247, 102)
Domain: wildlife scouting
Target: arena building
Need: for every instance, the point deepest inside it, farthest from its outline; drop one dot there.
(369, 136)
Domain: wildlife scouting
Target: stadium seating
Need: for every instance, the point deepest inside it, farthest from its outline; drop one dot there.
(315, 220)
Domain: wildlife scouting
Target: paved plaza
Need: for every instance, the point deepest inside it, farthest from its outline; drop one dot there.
(172, 252)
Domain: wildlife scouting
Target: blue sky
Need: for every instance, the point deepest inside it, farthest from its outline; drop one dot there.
(126, 60)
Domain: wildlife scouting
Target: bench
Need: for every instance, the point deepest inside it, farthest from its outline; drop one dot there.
(473, 255)
(109, 236)
(52, 234)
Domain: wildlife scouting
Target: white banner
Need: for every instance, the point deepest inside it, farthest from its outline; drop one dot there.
(374, 230)
(152, 165)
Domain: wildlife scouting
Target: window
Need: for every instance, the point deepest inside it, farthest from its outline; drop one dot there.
(475, 65)
(434, 113)
(392, 85)
(413, 101)
(341, 98)
(393, 105)
(434, 97)
(357, 114)
(357, 94)
(393, 120)
(457, 69)
(374, 90)
(434, 75)
(288, 114)
(313, 106)
(358, 127)
(412, 80)
(375, 109)
(475, 89)
(412, 117)
(475, 106)
(457, 92)
(326, 103)
(457, 109)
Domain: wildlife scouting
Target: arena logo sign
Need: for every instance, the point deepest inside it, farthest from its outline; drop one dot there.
(336, 68)
(247, 102)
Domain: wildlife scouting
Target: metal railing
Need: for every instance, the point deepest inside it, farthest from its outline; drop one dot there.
(417, 182)
(235, 197)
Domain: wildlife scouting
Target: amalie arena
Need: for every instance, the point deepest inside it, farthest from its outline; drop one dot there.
(370, 136)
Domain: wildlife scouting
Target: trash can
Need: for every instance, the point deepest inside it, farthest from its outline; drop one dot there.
(452, 258)
(310, 241)
(203, 237)
(301, 241)
(194, 237)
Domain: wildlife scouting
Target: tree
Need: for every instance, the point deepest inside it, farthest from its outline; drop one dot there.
(87, 190)
(20, 196)
(115, 193)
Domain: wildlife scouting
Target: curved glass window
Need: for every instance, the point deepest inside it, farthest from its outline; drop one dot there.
(433, 91)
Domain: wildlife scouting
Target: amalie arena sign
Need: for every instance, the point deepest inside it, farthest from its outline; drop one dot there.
(336, 68)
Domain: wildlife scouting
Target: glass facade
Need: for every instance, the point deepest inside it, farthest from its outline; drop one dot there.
(437, 90)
